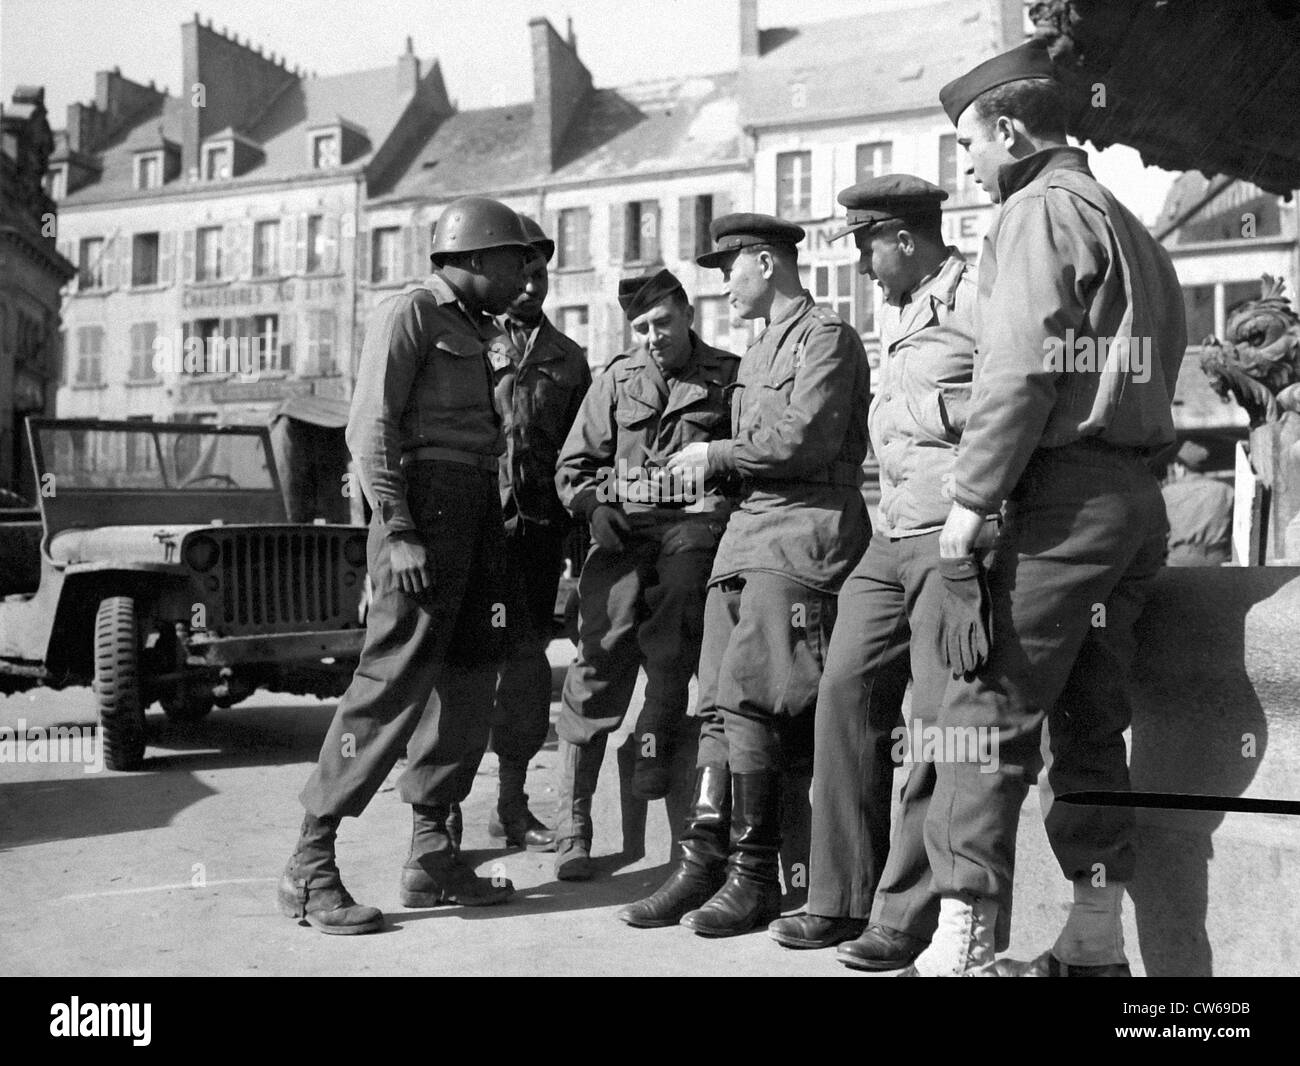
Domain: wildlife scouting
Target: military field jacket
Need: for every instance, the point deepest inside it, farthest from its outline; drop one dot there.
(1080, 330)
(424, 380)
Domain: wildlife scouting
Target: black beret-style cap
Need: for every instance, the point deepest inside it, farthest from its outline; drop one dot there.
(637, 295)
(891, 196)
(732, 232)
(1029, 60)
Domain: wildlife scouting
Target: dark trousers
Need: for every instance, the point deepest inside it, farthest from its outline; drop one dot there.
(635, 607)
(765, 636)
(1085, 534)
(886, 632)
(521, 713)
(448, 640)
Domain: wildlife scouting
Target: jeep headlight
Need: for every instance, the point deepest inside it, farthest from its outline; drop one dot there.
(202, 553)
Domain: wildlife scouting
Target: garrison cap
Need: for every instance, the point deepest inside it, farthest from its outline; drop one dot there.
(637, 295)
(1029, 60)
(892, 196)
(1192, 455)
(732, 232)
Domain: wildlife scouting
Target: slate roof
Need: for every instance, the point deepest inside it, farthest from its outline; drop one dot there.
(874, 64)
(365, 99)
(645, 128)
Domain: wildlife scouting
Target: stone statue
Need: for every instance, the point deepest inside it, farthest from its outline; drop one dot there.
(1259, 367)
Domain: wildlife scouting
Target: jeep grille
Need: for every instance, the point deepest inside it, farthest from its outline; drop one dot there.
(283, 581)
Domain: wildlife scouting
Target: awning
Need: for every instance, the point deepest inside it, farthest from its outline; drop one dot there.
(316, 410)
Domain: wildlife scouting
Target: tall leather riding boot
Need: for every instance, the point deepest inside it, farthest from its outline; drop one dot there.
(579, 770)
(312, 890)
(796, 837)
(704, 856)
(751, 894)
(512, 819)
(435, 873)
(631, 805)
(681, 786)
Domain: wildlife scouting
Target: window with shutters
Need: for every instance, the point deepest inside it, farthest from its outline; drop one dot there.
(320, 352)
(149, 171)
(794, 185)
(271, 354)
(207, 254)
(216, 162)
(385, 255)
(713, 320)
(953, 178)
(574, 324)
(641, 232)
(143, 335)
(864, 305)
(315, 243)
(210, 356)
(90, 353)
(324, 150)
(266, 249)
(90, 263)
(874, 159)
(56, 181)
(833, 286)
(695, 213)
(144, 259)
(572, 239)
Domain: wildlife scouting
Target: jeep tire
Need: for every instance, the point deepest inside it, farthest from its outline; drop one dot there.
(117, 684)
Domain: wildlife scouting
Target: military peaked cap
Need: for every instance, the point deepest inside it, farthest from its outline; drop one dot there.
(901, 197)
(732, 232)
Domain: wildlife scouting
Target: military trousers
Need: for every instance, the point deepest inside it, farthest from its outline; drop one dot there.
(521, 713)
(886, 633)
(636, 607)
(1084, 537)
(447, 641)
(765, 639)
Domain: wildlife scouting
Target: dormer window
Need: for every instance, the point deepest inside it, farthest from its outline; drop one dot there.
(216, 162)
(325, 150)
(56, 181)
(149, 170)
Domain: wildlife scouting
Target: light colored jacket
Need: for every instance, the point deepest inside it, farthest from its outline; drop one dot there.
(1080, 331)
(920, 406)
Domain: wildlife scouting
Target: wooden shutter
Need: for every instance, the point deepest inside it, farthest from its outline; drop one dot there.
(365, 241)
(686, 227)
(111, 243)
(126, 261)
(617, 237)
(423, 244)
(300, 245)
(166, 257)
(408, 251)
(288, 244)
(651, 232)
(187, 257)
(230, 250)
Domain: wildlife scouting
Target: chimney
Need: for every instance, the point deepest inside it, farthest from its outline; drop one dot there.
(238, 84)
(1008, 23)
(118, 101)
(561, 87)
(408, 70)
(748, 28)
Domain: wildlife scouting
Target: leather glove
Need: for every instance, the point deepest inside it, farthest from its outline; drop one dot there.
(608, 524)
(964, 615)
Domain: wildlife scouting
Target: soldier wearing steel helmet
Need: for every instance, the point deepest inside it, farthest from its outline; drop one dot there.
(426, 436)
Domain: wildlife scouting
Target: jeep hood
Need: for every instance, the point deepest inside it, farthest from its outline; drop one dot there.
(120, 544)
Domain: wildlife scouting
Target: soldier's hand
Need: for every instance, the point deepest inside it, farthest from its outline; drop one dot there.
(691, 463)
(957, 538)
(608, 524)
(688, 536)
(409, 559)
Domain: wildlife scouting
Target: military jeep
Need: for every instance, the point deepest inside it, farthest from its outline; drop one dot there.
(161, 567)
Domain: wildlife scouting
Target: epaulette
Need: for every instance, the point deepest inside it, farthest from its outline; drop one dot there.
(826, 316)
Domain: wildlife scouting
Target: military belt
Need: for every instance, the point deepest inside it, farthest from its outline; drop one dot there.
(848, 475)
(479, 461)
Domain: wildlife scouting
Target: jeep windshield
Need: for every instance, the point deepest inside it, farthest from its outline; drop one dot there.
(92, 472)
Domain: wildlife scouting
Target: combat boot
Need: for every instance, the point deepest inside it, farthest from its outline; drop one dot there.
(703, 856)
(512, 819)
(579, 769)
(311, 889)
(435, 873)
(751, 895)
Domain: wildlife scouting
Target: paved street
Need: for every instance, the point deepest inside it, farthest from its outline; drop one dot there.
(172, 870)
